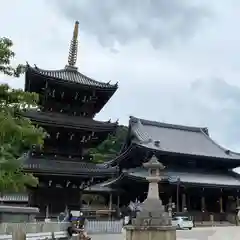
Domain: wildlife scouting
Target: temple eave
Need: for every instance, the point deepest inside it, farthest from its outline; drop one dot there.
(185, 178)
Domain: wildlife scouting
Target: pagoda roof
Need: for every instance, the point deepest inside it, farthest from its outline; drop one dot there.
(70, 75)
(178, 139)
(68, 167)
(217, 179)
(61, 119)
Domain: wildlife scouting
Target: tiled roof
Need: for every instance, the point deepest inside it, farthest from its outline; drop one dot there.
(177, 139)
(66, 120)
(66, 167)
(71, 75)
(214, 179)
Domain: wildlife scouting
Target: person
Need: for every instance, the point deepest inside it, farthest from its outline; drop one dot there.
(77, 226)
(61, 217)
(81, 220)
(126, 220)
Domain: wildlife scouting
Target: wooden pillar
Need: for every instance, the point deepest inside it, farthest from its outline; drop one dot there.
(47, 212)
(183, 202)
(118, 201)
(237, 199)
(203, 203)
(170, 201)
(177, 192)
(221, 203)
(30, 198)
(110, 205)
(189, 201)
(80, 199)
(170, 205)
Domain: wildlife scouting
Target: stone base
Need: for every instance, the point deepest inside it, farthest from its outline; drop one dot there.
(150, 233)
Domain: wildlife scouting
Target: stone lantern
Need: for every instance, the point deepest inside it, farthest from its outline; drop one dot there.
(154, 168)
(152, 222)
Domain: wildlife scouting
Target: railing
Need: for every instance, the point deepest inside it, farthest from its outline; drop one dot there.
(39, 236)
(92, 226)
(37, 227)
(104, 226)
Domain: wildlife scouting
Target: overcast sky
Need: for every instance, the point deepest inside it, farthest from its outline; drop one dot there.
(176, 61)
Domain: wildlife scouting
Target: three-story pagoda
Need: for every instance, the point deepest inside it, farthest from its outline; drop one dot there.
(69, 101)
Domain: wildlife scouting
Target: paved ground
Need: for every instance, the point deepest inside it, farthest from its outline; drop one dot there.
(217, 233)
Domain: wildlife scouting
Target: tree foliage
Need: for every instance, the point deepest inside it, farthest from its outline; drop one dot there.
(6, 55)
(109, 148)
(17, 133)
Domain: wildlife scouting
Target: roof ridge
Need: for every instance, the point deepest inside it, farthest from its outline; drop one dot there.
(168, 125)
(140, 133)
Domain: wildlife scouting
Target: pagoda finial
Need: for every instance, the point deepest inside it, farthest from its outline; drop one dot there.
(72, 57)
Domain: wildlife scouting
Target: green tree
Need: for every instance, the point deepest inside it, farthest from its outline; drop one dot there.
(111, 147)
(17, 133)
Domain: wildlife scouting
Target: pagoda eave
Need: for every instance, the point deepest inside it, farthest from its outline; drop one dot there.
(58, 120)
(66, 167)
(43, 172)
(70, 78)
(77, 127)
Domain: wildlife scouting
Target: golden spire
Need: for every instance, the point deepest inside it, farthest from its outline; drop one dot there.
(72, 56)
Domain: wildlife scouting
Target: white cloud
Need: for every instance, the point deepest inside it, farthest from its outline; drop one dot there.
(168, 62)
(125, 21)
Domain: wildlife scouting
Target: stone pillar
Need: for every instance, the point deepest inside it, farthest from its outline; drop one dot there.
(18, 234)
(152, 222)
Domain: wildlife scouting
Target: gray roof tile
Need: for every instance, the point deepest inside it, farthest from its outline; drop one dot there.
(177, 139)
(72, 75)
